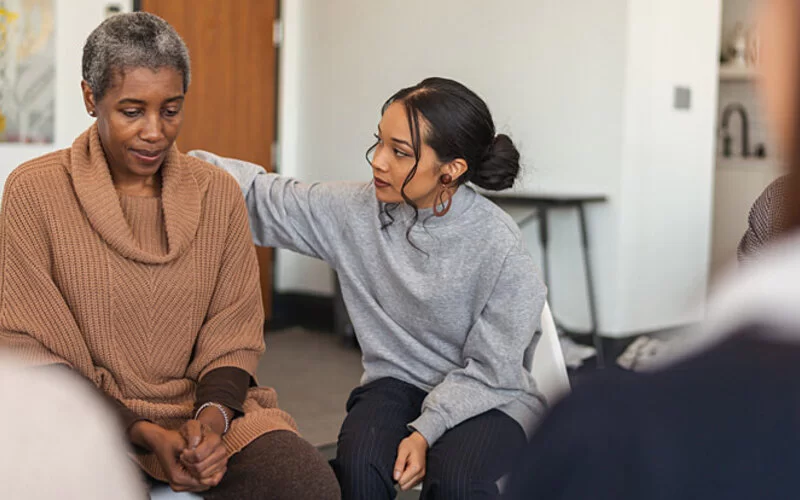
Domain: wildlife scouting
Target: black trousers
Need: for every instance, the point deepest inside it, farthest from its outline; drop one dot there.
(465, 463)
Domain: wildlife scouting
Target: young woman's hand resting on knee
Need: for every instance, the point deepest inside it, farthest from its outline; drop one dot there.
(409, 469)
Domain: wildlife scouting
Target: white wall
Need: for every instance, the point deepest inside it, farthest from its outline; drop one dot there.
(298, 110)
(529, 60)
(584, 87)
(75, 19)
(667, 178)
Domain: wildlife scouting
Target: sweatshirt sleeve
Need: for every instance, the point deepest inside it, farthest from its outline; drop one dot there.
(492, 373)
(285, 213)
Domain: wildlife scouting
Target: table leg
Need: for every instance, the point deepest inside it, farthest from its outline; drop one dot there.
(598, 344)
(544, 241)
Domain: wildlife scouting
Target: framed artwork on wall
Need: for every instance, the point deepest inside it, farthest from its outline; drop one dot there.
(27, 71)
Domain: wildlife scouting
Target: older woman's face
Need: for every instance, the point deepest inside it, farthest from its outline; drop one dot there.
(138, 119)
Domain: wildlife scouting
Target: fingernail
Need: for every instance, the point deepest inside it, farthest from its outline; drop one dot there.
(396, 475)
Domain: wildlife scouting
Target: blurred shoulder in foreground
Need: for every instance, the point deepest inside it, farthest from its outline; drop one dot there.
(59, 440)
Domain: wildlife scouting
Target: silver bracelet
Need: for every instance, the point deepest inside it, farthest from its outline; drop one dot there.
(221, 410)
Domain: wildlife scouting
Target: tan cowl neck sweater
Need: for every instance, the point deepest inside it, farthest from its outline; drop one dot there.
(142, 296)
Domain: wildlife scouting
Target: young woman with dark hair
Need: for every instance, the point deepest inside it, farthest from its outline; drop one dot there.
(443, 296)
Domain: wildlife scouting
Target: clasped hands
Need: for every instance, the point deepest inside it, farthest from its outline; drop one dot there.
(193, 457)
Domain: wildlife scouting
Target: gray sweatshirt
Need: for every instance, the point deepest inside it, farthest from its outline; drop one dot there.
(455, 316)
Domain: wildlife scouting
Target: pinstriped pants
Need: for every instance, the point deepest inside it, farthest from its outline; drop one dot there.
(465, 463)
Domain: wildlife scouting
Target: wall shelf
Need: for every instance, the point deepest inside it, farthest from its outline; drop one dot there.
(731, 73)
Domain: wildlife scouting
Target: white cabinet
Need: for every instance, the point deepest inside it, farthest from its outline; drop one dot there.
(737, 185)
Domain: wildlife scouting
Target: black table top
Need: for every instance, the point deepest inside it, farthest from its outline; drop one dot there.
(551, 198)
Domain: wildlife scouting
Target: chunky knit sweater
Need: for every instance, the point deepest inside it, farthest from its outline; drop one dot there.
(142, 296)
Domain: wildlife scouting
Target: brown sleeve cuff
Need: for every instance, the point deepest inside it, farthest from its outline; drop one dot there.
(227, 386)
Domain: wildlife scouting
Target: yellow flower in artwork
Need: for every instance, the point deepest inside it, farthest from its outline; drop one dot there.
(2, 123)
(6, 17)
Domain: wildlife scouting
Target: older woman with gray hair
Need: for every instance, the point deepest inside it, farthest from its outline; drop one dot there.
(131, 265)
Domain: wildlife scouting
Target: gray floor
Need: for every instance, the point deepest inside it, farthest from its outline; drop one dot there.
(313, 373)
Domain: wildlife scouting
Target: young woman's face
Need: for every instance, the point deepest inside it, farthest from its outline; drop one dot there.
(138, 119)
(393, 159)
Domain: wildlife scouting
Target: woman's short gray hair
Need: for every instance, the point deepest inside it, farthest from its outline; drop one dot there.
(132, 40)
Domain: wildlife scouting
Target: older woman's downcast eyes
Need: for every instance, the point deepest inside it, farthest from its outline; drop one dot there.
(171, 111)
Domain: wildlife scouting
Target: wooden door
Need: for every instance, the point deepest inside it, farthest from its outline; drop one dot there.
(230, 106)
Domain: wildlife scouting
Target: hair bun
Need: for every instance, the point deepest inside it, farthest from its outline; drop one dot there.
(500, 166)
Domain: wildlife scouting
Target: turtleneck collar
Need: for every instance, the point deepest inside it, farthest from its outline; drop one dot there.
(180, 198)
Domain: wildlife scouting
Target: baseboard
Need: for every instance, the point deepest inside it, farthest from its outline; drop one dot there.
(314, 312)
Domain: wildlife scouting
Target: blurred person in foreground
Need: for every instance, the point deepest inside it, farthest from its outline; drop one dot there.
(722, 420)
(131, 265)
(59, 440)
